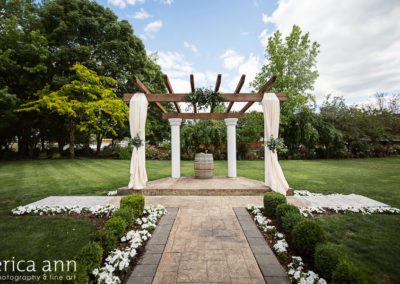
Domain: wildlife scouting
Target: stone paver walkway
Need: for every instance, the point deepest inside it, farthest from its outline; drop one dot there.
(206, 243)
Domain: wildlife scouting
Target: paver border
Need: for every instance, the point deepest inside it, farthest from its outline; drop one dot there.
(269, 265)
(146, 268)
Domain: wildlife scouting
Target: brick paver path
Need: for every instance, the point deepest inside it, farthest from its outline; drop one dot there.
(206, 243)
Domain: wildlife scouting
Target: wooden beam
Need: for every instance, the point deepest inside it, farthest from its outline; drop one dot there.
(171, 91)
(237, 91)
(202, 115)
(216, 89)
(193, 90)
(144, 89)
(218, 83)
(264, 88)
(229, 97)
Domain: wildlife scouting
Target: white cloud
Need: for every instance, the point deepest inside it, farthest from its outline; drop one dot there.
(123, 3)
(263, 37)
(141, 14)
(232, 59)
(167, 2)
(265, 18)
(152, 28)
(190, 46)
(360, 42)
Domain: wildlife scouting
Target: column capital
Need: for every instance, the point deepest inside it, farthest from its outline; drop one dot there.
(231, 121)
(175, 121)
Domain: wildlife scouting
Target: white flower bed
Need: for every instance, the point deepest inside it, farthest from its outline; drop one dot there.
(112, 193)
(305, 193)
(310, 211)
(118, 260)
(104, 211)
(296, 273)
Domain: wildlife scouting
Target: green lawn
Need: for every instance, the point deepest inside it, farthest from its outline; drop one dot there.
(373, 241)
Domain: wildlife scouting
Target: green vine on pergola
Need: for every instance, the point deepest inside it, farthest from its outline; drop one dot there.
(203, 98)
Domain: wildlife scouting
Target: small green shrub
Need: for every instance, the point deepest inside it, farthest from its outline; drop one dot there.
(347, 273)
(284, 209)
(271, 201)
(289, 220)
(123, 153)
(108, 240)
(125, 213)
(81, 274)
(306, 235)
(117, 225)
(326, 259)
(135, 202)
(90, 255)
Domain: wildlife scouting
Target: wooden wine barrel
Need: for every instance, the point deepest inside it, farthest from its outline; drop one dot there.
(203, 165)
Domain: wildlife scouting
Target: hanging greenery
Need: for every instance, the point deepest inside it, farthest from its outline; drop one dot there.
(202, 98)
(276, 144)
(137, 142)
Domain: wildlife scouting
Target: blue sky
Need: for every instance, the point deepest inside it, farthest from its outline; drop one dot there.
(360, 40)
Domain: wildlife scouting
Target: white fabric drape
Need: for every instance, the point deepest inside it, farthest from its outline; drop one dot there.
(137, 122)
(274, 177)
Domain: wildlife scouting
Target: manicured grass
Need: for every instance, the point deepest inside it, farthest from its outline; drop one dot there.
(371, 240)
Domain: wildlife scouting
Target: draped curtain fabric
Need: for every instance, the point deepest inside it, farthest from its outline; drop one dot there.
(274, 177)
(137, 122)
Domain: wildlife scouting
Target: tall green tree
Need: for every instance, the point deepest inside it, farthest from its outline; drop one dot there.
(23, 64)
(293, 60)
(88, 104)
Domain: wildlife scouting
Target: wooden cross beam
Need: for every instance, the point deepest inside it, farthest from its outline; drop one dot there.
(262, 90)
(237, 91)
(144, 89)
(171, 91)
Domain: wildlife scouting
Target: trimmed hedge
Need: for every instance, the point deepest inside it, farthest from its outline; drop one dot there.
(125, 213)
(284, 209)
(90, 256)
(81, 274)
(347, 273)
(306, 235)
(289, 220)
(271, 202)
(117, 226)
(327, 257)
(108, 240)
(135, 202)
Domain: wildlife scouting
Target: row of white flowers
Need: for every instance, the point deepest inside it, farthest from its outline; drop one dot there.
(310, 211)
(112, 193)
(119, 259)
(104, 210)
(280, 246)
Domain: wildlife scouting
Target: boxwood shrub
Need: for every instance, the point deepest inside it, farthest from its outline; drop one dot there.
(347, 273)
(284, 209)
(108, 240)
(117, 226)
(125, 213)
(271, 201)
(306, 235)
(90, 256)
(289, 220)
(327, 257)
(135, 202)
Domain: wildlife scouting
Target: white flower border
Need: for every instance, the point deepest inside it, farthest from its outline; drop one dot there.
(99, 210)
(119, 260)
(311, 211)
(112, 193)
(296, 268)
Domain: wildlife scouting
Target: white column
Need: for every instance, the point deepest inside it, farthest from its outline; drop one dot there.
(175, 147)
(231, 133)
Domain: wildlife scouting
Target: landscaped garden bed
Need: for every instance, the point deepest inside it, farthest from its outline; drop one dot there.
(119, 243)
(294, 237)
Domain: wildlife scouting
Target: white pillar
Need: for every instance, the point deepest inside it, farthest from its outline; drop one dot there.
(231, 133)
(175, 147)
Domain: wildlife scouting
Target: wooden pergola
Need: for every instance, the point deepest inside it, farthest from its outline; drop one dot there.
(176, 98)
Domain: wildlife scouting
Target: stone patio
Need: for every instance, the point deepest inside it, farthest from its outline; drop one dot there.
(238, 186)
(82, 201)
